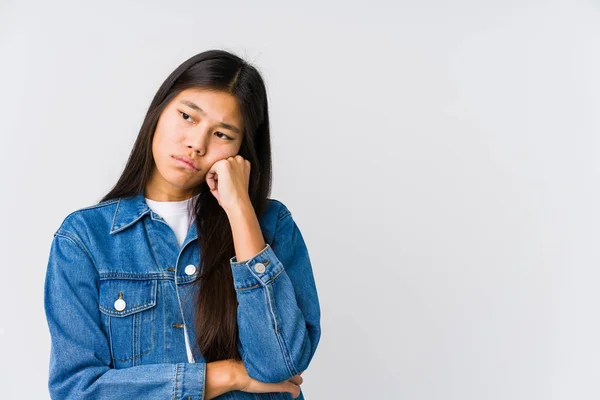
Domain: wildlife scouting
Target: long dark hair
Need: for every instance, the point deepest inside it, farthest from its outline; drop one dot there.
(216, 310)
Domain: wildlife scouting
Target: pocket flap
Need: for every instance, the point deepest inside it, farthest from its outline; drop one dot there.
(133, 295)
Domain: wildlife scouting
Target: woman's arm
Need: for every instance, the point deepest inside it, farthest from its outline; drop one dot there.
(80, 354)
(278, 306)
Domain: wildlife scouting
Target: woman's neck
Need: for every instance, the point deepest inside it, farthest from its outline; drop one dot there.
(172, 194)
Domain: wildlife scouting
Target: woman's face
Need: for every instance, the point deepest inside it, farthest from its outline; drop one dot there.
(198, 127)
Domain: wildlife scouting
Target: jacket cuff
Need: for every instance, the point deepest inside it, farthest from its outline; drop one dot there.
(190, 380)
(257, 271)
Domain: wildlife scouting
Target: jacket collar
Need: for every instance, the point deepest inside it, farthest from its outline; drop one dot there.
(132, 209)
(129, 210)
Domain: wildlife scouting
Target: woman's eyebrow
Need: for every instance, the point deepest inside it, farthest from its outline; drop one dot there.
(194, 106)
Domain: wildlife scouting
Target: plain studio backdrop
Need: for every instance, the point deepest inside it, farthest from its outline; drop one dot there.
(440, 159)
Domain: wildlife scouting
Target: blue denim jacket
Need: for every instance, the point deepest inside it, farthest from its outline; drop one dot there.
(135, 348)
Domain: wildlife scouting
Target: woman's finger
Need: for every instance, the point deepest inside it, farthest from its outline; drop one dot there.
(297, 380)
(261, 387)
(289, 387)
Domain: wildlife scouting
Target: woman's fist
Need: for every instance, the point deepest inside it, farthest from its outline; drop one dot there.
(228, 180)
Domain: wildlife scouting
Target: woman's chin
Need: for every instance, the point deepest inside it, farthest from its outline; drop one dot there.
(184, 184)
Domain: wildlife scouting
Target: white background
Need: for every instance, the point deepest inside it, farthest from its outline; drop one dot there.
(440, 158)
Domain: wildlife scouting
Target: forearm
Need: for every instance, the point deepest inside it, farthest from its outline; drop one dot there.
(248, 239)
(277, 338)
(220, 378)
(279, 326)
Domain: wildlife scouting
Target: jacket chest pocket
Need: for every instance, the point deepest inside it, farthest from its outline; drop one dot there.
(129, 318)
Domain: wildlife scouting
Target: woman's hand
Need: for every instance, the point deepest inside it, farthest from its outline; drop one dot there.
(228, 180)
(244, 383)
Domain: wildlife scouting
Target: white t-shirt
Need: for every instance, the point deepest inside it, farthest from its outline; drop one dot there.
(176, 214)
(179, 217)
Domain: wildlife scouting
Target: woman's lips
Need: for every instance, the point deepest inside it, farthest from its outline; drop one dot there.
(185, 164)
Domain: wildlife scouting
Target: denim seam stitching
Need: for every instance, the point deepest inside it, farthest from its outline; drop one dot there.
(203, 381)
(110, 340)
(282, 217)
(164, 305)
(175, 387)
(284, 349)
(154, 255)
(93, 206)
(115, 215)
(101, 204)
(248, 288)
(126, 225)
(140, 354)
(131, 358)
(73, 238)
(134, 277)
(135, 335)
(286, 215)
(260, 285)
(132, 310)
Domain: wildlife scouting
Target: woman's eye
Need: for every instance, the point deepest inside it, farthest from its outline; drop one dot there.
(190, 119)
(186, 116)
(224, 135)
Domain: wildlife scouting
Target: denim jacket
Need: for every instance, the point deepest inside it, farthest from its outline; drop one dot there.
(119, 292)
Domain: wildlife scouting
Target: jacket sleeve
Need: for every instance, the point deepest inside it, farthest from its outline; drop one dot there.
(80, 354)
(278, 307)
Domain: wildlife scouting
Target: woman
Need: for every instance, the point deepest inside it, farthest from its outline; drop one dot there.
(186, 281)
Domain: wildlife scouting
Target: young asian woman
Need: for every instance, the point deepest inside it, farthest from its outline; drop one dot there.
(218, 302)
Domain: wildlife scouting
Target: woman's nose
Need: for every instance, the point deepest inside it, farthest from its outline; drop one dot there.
(197, 142)
(196, 149)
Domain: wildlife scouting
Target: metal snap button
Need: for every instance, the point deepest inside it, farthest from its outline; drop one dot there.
(120, 303)
(260, 268)
(190, 269)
